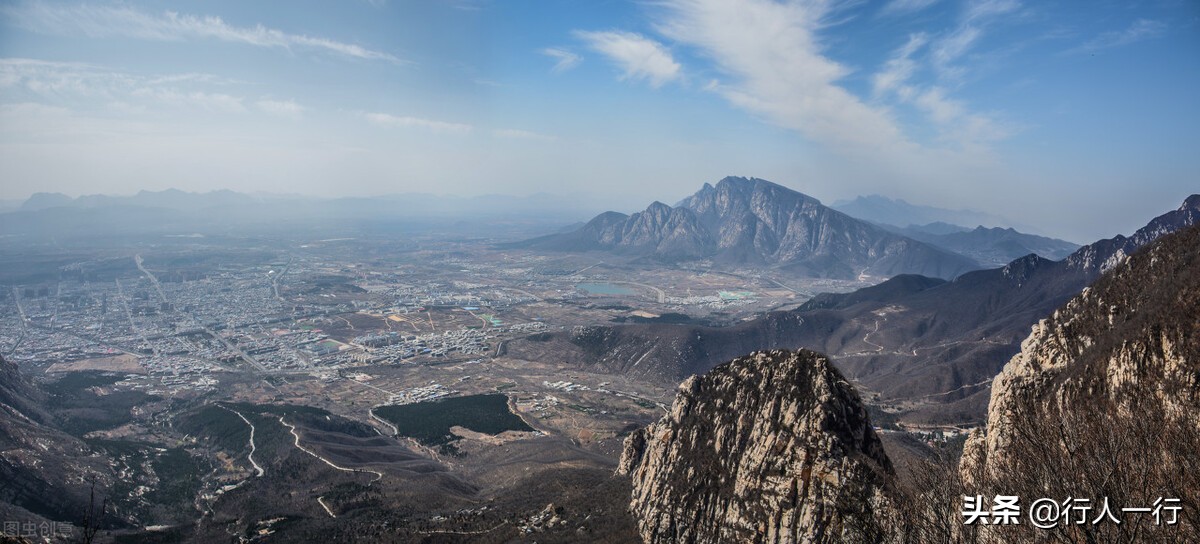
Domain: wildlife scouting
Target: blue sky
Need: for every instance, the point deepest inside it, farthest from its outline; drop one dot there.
(1080, 117)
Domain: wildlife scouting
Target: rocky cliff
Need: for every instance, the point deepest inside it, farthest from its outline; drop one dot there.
(775, 446)
(1132, 337)
(1107, 391)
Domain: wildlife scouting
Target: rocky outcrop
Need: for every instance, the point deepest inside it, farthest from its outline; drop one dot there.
(1132, 337)
(775, 446)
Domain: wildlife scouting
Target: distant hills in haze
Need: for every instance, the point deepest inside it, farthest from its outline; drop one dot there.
(894, 211)
(989, 246)
(992, 241)
(58, 216)
(753, 222)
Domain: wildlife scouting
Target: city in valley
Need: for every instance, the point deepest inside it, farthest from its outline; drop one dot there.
(140, 342)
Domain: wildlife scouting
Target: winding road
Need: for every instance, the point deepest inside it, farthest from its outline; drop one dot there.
(259, 472)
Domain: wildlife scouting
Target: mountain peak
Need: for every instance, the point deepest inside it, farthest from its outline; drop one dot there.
(751, 186)
(753, 221)
(657, 206)
(1191, 203)
(767, 447)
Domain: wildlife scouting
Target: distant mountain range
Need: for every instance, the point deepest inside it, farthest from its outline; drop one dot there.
(750, 221)
(148, 213)
(893, 211)
(993, 241)
(990, 247)
(929, 343)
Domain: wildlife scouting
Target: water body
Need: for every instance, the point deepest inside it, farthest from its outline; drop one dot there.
(605, 289)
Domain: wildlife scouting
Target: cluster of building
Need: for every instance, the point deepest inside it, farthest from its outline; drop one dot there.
(395, 347)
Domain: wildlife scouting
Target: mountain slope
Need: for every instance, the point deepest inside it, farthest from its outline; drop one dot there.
(934, 344)
(1106, 388)
(1138, 324)
(744, 221)
(770, 447)
(42, 469)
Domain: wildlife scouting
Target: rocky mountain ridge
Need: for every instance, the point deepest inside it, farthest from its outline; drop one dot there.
(750, 221)
(1135, 326)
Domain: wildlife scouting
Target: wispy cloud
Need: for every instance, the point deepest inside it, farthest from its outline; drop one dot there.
(219, 102)
(128, 22)
(639, 57)
(898, 7)
(564, 60)
(281, 108)
(952, 46)
(81, 84)
(772, 56)
(1141, 29)
(900, 68)
(388, 120)
(952, 118)
(518, 134)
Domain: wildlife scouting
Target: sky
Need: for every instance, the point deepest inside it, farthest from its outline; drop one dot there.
(1082, 118)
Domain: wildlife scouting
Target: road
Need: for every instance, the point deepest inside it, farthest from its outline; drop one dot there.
(129, 316)
(24, 320)
(154, 280)
(257, 469)
(296, 435)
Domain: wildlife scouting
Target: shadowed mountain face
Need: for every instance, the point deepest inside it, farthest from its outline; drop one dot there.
(755, 222)
(41, 467)
(936, 343)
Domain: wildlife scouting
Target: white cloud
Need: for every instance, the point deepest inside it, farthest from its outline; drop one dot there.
(900, 68)
(282, 108)
(896, 7)
(79, 83)
(955, 123)
(517, 134)
(1141, 29)
(638, 56)
(387, 120)
(984, 9)
(772, 55)
(210, 101)
(124, 21)
(977, 15)
(564, 60)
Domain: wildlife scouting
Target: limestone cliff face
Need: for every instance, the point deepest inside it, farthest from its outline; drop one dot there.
(775, 446)
(1133, 336)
